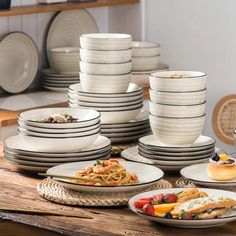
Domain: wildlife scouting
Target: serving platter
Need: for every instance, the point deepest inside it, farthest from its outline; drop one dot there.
(198, 174)
(147, 175)
(67, 27)
(18, 51)
(186, 223)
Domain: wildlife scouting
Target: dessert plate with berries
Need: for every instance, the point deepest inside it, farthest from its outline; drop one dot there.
(220, 171)
(186, 207)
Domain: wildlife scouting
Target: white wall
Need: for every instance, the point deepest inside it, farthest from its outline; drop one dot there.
(197, 35)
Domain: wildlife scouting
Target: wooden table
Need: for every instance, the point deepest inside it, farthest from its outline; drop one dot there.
(19, 190)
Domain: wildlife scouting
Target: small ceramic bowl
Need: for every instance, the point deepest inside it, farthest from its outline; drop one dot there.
(145, 63)
(65, 60)
(105, 41)
(145, 49)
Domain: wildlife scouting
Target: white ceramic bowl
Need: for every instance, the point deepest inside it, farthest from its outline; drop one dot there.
(145, 63)
(175, 111)
(86, 98)
(178, 98)
(59, 131)
(105, 104)
(65, 60)
(145, 49)
(104, 83)
(43, 144)
(86, 117)
(94, 56)
(116, 117)
(107, 41)
(177, 131)
(193, 81)
(105, 69)
(133, 90)
(90, 131)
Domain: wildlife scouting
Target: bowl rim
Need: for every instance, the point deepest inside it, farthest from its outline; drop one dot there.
(154, 75)
(92, 36)
(178, 118)
(174, 105)
(177, 92)
(104, 75)
(106, 51)
(152, 45)
(96, 63)
(146, 58)
(98, 107)
(73, 137)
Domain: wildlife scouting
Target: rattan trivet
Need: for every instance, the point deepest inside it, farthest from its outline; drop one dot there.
(60, 193)
(186, 183)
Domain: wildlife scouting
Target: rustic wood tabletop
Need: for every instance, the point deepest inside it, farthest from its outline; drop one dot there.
(18, 190)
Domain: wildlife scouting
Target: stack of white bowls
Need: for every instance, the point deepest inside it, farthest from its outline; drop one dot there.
(42, 144)
(145, 56)
(105, 62)
(177, 106)
(64, 69)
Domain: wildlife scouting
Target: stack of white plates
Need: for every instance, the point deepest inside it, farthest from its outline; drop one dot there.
(127, 132)
(114, 107)
(58, 82)
(59, 136)
(151, 151)
(27, 158)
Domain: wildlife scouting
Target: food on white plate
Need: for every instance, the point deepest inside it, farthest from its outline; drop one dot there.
(190, 204)
(221, 167)
(111, 172)
(59, 118)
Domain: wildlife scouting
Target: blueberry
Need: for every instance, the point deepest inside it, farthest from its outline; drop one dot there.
(215, 157)
(168, 215)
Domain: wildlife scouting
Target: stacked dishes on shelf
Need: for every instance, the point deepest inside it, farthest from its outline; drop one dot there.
(177, 113)
(105, 86)
(46, 139)
(145, 61)
(62, 44)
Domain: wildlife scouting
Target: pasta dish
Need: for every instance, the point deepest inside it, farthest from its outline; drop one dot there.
(111, 172)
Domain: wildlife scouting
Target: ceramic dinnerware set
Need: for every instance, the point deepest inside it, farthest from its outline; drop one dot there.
(45, 140)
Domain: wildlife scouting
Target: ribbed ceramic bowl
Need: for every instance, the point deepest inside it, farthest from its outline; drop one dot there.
(145, 49)
(177, 132)
(95, 56)
(65, 60)
(86, 117)
(132, 90)
(188, 81)
(105, 83)
(107, 41)
(145, 63)
(105, 69)
(44, 144)
(175, 111)
(178, 98)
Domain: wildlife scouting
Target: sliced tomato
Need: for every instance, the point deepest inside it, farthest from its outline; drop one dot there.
(141, 202)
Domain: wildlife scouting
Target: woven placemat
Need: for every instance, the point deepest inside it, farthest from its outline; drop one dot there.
(186, 183)
(60, 193)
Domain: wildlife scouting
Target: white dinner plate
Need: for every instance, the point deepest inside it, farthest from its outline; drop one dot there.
(147, 175)
(198, 174)
(126, 129)
(61, 82)
(16, 145)
(50, 73)
(18, 62)
(125, 134)
(41, 164)
(186, 223)
(179, 158)
(132, 154)
(202, 143)
(55, 159)
(66, 28)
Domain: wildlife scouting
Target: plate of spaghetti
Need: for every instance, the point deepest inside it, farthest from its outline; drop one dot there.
(107, 175)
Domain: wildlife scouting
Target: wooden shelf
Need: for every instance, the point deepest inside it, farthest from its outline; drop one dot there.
(42, 8)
